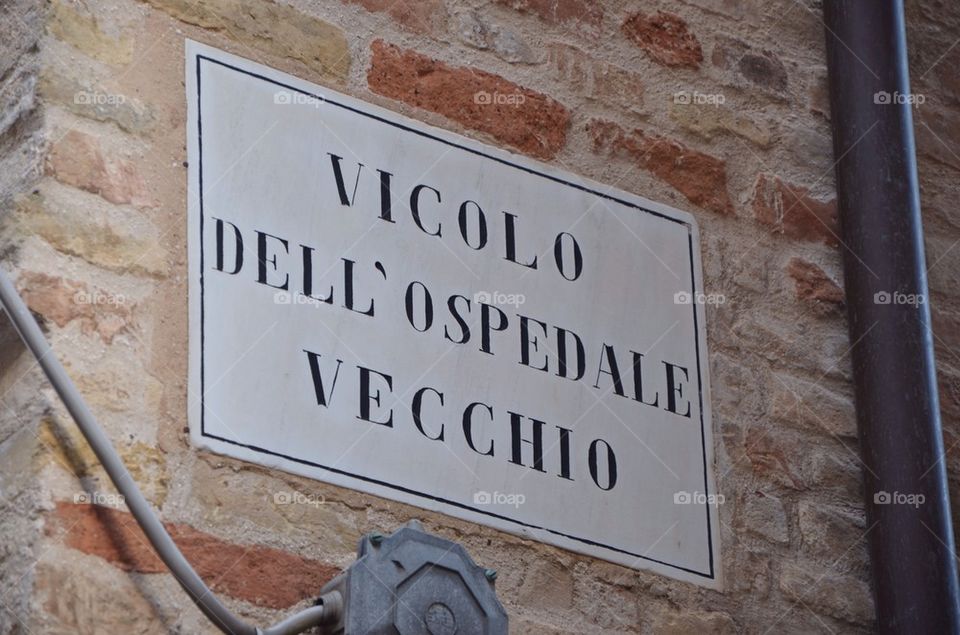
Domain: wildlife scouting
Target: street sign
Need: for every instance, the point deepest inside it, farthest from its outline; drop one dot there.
(386, 306)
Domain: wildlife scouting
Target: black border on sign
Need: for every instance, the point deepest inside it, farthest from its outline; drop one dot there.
(696, 336)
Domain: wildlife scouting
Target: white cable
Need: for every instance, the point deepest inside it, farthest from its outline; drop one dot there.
(168, 551)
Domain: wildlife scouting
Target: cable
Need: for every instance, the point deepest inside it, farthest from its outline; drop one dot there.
(299, 622)
(164, 545)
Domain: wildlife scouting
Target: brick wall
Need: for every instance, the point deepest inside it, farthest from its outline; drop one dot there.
(713, 106)
(937, 128)
(21, 143)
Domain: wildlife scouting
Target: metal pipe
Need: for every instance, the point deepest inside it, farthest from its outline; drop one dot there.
(898, 415)
(144, 514)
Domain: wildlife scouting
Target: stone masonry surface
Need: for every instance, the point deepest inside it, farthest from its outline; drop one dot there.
(717, 107)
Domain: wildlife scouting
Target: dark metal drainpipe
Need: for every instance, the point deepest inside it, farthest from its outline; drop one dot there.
(898, 413)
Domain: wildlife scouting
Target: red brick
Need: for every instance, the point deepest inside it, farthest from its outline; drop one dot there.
(62, 301)
(790, 210)
(665, 37)
(813, 284)
(260, 575)
(78, 160)
(420, 16)
(530, 122)
(701, 178)
(588, 12)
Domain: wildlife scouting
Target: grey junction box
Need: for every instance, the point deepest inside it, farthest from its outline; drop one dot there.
(413, 583)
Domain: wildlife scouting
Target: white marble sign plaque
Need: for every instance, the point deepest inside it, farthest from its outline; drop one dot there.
(386, 306)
